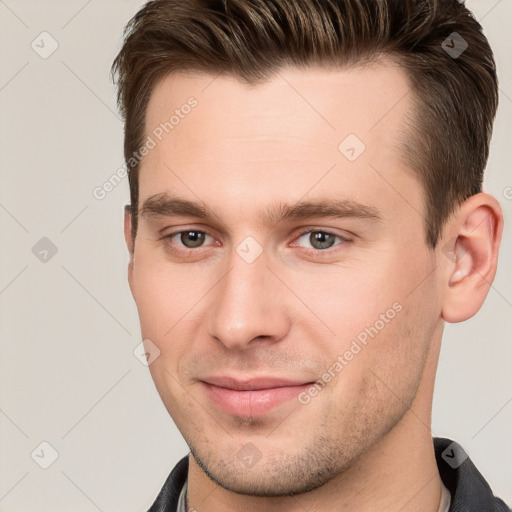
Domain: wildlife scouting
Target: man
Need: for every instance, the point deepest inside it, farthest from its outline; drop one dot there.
(306, 214)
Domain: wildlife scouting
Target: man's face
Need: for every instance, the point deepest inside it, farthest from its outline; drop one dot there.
(348, 301)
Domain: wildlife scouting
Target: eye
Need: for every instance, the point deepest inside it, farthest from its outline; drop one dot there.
(320, 240)
(188, 239)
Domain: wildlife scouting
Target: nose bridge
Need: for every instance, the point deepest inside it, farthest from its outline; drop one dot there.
(247, 303)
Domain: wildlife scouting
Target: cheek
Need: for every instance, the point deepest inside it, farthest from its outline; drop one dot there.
(163, 294)
(397, 357)
(164, 297)
(346, 299)
(380, 312)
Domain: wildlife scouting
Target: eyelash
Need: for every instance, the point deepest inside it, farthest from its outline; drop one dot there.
(167, 239)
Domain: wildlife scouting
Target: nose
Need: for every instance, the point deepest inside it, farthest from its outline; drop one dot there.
(249, 306)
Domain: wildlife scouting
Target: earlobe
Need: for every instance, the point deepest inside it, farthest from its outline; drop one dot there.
(475, 235)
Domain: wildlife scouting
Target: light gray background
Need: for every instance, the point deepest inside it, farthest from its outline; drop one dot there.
(68, 375)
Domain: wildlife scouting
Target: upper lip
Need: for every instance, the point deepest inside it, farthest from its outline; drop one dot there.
(253, 383)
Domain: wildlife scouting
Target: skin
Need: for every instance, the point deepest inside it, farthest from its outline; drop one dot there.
(364, 441)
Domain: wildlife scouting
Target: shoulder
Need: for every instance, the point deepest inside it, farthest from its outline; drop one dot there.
(167, 499)
(468, 488)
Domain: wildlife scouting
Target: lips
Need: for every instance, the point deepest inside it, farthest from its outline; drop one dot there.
(252, 397)
(254, 383)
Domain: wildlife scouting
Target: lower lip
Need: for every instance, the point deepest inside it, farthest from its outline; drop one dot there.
(251, 403)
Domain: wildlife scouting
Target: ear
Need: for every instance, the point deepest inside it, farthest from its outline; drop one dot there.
(128, 229)
(470, 256)
(130, 242)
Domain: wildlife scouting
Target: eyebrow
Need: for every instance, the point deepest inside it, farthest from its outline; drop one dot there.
(163, 205)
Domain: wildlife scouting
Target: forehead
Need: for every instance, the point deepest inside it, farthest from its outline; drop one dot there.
(332, 101)
(216, 133)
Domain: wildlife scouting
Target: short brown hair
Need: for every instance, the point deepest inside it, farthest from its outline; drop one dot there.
(455, 96)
